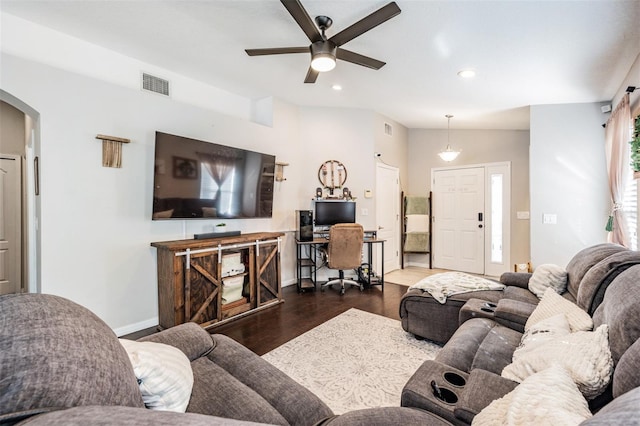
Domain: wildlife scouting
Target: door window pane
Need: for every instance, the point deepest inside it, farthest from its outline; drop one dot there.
(496, 217)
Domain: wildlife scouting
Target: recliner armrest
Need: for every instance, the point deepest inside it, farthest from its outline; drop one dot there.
(513, 313)
(189, 337)
(518, 279)
(481, 389)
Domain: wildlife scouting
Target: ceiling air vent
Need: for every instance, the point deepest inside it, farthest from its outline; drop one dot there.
(155, 84)
(388, 129)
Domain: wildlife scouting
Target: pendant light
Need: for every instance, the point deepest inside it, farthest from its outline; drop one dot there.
(449, 154)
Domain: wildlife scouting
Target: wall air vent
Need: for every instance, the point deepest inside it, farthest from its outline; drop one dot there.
(388, 129)
(155, 84)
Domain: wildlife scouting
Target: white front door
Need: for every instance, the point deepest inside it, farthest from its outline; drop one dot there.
(458, 219)
(388, 214)
(10, 225)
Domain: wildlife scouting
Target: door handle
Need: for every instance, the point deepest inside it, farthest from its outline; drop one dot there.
(380, 227)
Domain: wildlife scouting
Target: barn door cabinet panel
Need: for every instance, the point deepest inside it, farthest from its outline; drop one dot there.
(213, 281)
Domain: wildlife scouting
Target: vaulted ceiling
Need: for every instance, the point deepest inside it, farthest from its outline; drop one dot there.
(523, 52)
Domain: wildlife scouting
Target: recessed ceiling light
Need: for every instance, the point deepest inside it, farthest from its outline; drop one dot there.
(336, 87)
(467, 73)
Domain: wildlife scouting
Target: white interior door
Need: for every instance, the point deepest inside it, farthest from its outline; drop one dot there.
(458, 219)
(388, 214)
(10, 225)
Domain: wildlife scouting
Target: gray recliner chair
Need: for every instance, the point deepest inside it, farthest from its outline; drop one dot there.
(55, 354)
(61, 364)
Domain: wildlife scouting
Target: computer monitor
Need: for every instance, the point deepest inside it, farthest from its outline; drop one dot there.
(329, 213)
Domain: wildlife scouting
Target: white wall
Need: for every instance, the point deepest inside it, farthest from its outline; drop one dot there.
(95, 221)
(568, 179)
(632, 79)
(478, 147)
(393, 148)
(345, 135)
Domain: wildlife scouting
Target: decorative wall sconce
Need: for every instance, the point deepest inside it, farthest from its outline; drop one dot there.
(280, 171)
(112, 150)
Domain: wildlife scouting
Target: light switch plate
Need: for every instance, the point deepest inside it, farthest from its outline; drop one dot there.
(550, 219)
(522, 215)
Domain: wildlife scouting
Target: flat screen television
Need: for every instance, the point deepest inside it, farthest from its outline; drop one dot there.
(195, 179)
(327, 213)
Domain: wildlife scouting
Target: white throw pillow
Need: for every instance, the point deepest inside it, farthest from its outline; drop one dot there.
(552, 304)
(164, 374)
(584, 354)
(546, 398)
(542, 332)
(548, 276)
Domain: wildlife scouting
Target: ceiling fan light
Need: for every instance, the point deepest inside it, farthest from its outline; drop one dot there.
(323, 55)
(323, 62)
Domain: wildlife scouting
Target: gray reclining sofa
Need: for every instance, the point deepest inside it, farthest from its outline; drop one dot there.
(61, 364)
(467, 370)
(588, 274)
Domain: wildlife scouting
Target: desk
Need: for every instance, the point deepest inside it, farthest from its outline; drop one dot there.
(309, 261)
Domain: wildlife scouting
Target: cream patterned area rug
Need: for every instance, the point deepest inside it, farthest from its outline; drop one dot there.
(355, 360)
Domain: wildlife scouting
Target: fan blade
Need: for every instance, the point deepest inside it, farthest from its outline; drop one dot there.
(365, 24)
(312, 75)
(277, 51)
(303, 19)
(358, 59)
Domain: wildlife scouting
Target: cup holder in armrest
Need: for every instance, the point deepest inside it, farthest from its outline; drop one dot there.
(454, 379)
(483, 309)
(446, 396)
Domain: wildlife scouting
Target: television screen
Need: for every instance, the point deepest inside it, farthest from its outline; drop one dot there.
(201, 180)
(329, 213)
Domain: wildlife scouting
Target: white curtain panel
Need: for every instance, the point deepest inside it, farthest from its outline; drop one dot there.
(617, 137)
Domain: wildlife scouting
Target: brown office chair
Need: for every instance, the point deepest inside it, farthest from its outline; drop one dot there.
(344, 252)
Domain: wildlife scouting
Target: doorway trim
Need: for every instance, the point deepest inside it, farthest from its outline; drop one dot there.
(378, 206)
(491, 268)
(32, 213)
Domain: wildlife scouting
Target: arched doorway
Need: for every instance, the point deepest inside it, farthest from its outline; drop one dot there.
(25, 155)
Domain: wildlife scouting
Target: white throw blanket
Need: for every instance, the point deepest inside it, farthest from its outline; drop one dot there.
(441, 286)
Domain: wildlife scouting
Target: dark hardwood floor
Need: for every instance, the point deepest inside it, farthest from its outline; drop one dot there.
(266, 330)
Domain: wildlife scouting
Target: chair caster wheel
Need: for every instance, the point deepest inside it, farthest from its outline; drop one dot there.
(342, 292)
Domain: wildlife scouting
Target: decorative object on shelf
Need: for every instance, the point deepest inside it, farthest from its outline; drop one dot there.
(221, 227)
(346, 193)
(449, 154)
(332, 175)
(280, 171)
(112, 150)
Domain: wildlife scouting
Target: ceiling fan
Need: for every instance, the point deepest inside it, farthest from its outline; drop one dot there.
(324, 51)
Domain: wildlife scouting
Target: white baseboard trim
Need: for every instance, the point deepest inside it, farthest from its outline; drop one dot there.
(152, 322)
(132, 328)
(418, 264)
(292, 281)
